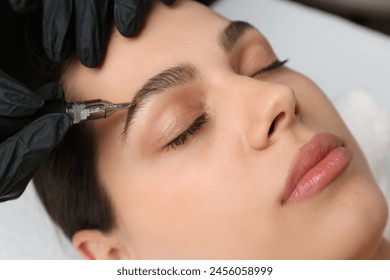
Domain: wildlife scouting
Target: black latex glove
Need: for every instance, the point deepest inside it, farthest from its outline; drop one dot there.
(21, 154)
(90, 26)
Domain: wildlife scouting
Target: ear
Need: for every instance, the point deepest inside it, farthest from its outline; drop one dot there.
(96, 245)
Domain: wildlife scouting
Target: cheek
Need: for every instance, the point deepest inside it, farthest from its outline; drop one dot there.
(194, 200)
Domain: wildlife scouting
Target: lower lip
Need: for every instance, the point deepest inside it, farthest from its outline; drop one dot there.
(322, 174)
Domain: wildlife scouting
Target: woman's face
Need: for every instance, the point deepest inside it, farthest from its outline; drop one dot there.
(201, 170)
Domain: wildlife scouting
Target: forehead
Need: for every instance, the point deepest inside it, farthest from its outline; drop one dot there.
(171, 35)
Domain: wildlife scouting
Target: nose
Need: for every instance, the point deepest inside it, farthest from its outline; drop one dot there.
(273, 113)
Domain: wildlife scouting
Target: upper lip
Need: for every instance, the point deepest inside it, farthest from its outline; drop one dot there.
(307, 157)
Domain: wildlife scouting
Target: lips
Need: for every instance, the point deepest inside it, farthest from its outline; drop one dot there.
(317, 163)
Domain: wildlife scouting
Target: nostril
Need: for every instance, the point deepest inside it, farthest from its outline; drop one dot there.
(296, 109)
(271, 129)
(275, 122)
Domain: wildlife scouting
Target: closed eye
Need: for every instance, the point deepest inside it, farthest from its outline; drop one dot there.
(185, 135)
(276, 64)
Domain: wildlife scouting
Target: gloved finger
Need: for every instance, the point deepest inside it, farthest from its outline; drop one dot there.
(129, 16)
(169, 2)
(91, 31)
(56, 19)
(24, 6)
(15, 99)
(50, 91)
(21, 154)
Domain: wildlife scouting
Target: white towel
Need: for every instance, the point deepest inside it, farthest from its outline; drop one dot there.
(370, 124)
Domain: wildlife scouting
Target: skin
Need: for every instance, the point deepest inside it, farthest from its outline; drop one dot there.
(218, 196)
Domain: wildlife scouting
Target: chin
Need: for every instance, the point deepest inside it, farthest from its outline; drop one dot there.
(364, 211)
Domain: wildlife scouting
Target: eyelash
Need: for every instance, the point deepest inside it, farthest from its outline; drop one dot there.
(276, 64)
(183, 137)
(197, 124)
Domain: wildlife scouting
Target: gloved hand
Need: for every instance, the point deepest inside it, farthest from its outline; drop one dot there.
(21, 153)
(90, 25)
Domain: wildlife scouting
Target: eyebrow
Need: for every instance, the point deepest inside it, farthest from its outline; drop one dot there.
(181, 74)
(167, 79)
(229, 36)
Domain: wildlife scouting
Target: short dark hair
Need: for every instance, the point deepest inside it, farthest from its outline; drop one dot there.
(68, 184)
